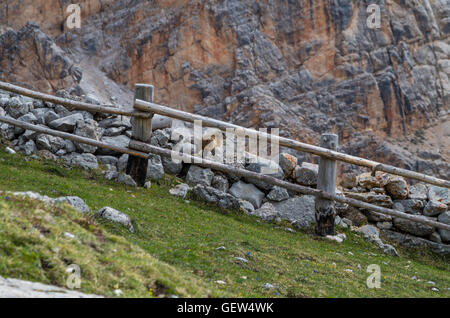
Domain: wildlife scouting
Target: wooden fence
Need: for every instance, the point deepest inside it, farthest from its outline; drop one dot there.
(140, 149)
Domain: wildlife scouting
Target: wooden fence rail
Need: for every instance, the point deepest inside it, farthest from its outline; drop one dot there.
(107, 109)
(139, 148)
(293, 144)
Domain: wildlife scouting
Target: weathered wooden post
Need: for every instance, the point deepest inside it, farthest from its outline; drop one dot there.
(142, 131)
(325, 211)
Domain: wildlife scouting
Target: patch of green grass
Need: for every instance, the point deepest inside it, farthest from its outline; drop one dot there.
(187, 235)
(33, 246)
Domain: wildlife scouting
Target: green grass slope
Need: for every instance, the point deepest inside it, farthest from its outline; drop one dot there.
(176, 245)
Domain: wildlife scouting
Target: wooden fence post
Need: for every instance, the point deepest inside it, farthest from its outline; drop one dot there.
(325, 211)
(142, 131)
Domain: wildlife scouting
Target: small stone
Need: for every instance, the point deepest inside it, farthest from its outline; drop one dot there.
(435, 289)
(288, 163)
(434, 208)
(410, 206)
(445, 234)
(349, 180)
(86, 160)
(348, 270)
(306, 174)
(335, 238)
(76, 202)
(278, 194)
(241, 259)
(397, 188)
(220, 282)
(66, 124)
(126, 179)
(366, 180)
(170, 166)
(155, 169)
(220, 183)
(435, 237)
(180, 190)
(247, 192)
(148, 185)
(69, 235)
(412, 227)
(197, 175)
(439, 194)
(111, 175)
(418, 192)
(10, 151)
(246, 206)
(369, 231)
(268, 286)
(115, 216)
(266, 212)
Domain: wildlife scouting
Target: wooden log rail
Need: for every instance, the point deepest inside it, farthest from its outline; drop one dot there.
(83, 140)
(142, 150)
(71, 103)
(293, 144)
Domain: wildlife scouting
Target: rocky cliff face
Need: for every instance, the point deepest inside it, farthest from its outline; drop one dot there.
(305, 66)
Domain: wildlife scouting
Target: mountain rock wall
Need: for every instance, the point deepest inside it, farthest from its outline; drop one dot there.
(305, 66)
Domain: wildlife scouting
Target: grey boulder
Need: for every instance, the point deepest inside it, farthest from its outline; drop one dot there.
(266, 167)
(155, 169)
(288, 163)
(412, 227)
(89, 129)
(220, 183)
(108, 160)
(418, 191)
(439, 194)
(121, 141)
(444, 218)
(170, 166)
(434, 208)
(247, 192)
(76, 202)
(266, 212)
(299, 210)
(66, 124)
(15, 288)
(50, 143)
(86, 160)
(211, 195)
(197, 175)
(126, 179)
(306, 174)
(115, 216)
(278, 194)
(397, 188)
(180, 190)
